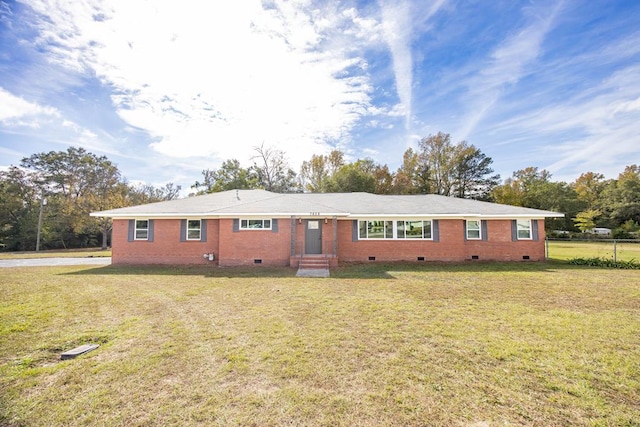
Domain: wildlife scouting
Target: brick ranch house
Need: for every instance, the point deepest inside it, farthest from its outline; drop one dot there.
(247, 227)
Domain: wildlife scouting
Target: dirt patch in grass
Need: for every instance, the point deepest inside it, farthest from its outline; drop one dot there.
(472, 344)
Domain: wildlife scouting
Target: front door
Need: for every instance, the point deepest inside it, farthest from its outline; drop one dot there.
(313, 237)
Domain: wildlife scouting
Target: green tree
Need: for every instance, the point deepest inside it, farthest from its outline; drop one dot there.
(105, 180)
(589, 187)
(230, 176)
(620, 199)
(586, 220)
(412, 177)
(77, 182)
(438, 155)
(316, 173)
(442, 167)
(473, 176)
(384, 179)
(353, 177)
(509, 193)
(146, 193)
(529, 187)
(21, 196)
(533, 188)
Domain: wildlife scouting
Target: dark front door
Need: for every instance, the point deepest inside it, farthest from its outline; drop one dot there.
(313, 237)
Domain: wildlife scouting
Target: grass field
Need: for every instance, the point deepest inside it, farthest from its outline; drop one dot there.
(470, 345)
(567, 249)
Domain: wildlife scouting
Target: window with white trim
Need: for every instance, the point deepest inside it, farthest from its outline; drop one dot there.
(194, 229)
(142, 229)
(414, 229)
(473, 229)
(399, 229)
(524, 229)
(378, 229)
(255, 224)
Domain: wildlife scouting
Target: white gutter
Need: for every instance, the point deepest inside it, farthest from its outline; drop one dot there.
(203, 215)
(216, 215)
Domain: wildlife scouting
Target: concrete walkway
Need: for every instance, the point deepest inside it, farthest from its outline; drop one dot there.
(43, 262)
(313, 272)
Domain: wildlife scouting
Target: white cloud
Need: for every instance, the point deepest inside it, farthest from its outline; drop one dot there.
(14, 108)
(218, 78)
(400, 21)
(18, 116)
(397, 25)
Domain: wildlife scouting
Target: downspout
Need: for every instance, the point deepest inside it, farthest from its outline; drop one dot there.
(293, 235)
(334, 225)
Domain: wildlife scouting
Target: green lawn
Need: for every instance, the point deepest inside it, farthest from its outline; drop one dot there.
(567, 249)
(543, 344)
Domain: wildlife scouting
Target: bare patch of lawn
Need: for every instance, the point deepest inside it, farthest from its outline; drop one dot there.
(499, 344)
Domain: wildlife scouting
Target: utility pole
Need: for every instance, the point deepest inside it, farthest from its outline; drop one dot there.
(42, 203)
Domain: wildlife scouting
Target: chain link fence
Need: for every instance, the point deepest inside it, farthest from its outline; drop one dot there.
(614, 249)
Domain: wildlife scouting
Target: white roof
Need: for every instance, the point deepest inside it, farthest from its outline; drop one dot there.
(261, 203)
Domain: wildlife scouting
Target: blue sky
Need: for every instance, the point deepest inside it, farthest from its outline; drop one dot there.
(166, 89)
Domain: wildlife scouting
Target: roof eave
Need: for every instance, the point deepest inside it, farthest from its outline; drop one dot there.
(169, 215)
(217, 215)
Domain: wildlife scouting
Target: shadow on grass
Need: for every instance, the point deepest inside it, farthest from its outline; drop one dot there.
(344, 271)
(185, 270)
(382, 270)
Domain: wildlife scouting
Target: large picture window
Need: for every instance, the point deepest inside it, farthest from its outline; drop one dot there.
(142, 229)
(255, 224)
(401, 229)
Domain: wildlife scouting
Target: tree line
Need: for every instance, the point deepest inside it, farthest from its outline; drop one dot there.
(438, 166)
(46, 200)
(50, 195)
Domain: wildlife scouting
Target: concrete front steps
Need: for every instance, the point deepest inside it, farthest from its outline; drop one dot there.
(313, 266)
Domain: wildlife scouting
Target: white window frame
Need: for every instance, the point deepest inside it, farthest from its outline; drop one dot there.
(390, 229)
(256, 224)
(414, 237)
(520, 226)
(191, 228)
(369, 224)
(479, 229)
(141, 230)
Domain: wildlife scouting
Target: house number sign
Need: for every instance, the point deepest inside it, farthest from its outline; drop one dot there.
(314, 213)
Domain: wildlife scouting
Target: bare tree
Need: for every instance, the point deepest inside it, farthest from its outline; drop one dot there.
(273, 171)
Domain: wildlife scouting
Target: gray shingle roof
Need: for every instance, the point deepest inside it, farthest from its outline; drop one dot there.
(236, 203)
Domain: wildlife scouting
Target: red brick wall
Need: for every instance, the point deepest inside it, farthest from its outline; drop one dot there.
(451, 247)
(244, 247)
(166, 247)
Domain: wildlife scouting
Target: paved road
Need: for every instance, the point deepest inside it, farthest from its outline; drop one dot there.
(39, 262)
